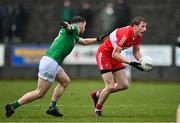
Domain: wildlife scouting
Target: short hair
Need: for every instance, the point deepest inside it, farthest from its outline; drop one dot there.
(77, 19)
(137, 20)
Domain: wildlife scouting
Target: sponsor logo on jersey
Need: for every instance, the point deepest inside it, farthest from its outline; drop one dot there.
(123, 39)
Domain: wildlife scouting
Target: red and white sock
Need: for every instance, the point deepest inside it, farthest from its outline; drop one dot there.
(98, 107)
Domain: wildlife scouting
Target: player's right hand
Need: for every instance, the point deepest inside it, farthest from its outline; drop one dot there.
(101, 38)
(136, 65)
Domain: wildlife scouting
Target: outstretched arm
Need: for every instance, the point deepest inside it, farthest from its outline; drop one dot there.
(88, 41)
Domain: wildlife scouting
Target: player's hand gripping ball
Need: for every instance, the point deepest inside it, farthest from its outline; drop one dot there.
(147, 63)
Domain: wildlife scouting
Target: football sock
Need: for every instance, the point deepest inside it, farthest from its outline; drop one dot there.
(93, 94)
(53, 104)
(15, 104)
(98, 107)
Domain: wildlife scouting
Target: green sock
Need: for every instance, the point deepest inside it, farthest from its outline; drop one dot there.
(53, 104)
(15, 104)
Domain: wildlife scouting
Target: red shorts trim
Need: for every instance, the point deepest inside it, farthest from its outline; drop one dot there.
(106, 62)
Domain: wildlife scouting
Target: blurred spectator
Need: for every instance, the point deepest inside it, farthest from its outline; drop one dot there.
(107, 18)
(18, 22)
(7, 23)
(2, 16)
(67, 12)
(87, 13)
(14, 23)
(122, 13)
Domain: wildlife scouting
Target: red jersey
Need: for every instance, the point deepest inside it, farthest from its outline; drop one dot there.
(123, 37)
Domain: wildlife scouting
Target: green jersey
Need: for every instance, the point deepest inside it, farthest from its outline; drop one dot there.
(63, 44)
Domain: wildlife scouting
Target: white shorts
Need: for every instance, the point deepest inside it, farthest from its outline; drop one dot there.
(48, 68)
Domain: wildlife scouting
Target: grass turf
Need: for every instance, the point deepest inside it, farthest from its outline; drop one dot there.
(142, 102)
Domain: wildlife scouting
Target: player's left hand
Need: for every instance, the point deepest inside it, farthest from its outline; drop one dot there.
(101, 38)
(137, 65)
(65, 25)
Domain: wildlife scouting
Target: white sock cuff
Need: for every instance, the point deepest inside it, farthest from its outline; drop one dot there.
(97, 110)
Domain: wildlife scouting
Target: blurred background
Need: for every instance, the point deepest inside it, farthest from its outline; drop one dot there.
(28, 27)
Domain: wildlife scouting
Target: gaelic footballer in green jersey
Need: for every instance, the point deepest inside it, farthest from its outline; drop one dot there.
(63, 43)
(50, 69)
(68, 36)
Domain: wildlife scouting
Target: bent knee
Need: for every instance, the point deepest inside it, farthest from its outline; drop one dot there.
(123, 86)
(66, 82)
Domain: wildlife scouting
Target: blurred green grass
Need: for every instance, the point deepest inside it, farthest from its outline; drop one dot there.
(142, 102)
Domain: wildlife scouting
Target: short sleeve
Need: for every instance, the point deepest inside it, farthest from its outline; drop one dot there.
(121, 42)
(122, 35)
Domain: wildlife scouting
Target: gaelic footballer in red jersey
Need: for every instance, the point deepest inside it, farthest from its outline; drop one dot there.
(111, 63)
(123, 38)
